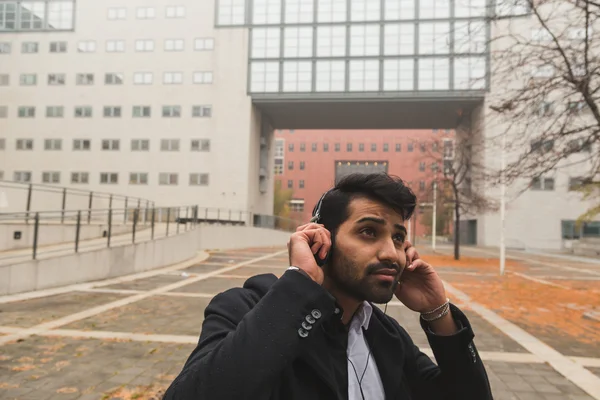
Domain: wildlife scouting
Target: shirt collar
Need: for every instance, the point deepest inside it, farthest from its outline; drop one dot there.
(362, 317)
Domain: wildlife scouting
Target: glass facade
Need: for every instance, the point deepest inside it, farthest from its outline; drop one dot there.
(329, 46)
(41, 15)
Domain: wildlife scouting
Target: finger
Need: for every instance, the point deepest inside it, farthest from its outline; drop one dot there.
(317, 240)
(412, 254)
(418, 265)
(326, 246)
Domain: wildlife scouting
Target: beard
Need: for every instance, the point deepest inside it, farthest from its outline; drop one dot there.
(361, 283)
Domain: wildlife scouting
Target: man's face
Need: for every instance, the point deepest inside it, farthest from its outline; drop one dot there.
(369, 252)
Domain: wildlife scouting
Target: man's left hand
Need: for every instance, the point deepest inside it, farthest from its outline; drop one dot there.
(420, 288)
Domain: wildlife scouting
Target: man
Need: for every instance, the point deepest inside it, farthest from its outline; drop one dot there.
(314, 333)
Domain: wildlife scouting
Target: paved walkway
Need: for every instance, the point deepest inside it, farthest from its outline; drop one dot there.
(127, 338)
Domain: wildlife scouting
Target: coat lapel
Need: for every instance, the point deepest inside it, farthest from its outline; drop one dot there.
(388, 352)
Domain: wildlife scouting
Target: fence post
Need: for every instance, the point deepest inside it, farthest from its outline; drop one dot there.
(109, 225)
(125, 213)
(64, 205)
(35, 234)
(29, 193)
(146, 212)
(168, 218)
(187, 210)
(136, 214)
(152, 223)
(178, 220)
(77, 231)
(205, 214)
(90, 208)
(110, 202)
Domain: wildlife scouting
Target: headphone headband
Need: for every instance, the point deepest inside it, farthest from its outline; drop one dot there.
(317, 211)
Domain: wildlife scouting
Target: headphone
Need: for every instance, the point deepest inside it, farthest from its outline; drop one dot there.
(316, 218)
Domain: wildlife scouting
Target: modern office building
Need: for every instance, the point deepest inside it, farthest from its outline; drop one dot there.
(178, 101)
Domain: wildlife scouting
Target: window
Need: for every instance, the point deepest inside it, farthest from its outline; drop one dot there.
(302, 147)
(80, 177)
(203, 77)
(325, 147)
(410, 147)
(199, 179)
(364, 75)
(434, 166)
(115, 13)
(302, 165)
(264, 77)
(398, 147)
(3, 112)
(201, 111)
(22, 176)
(110, 144)
(266, 11)
(112, 112)
(349, 147)
(174, 45)
(265, 42)
(297, 76)
(331, 11)
(171, 111)
(173, 78)
(541, 183)
(337, 147)
(579, 145)
(138, 178)
(434, 74)
(313, 147)
(423, 147)
(298, 42)
(88, 46)
(85, 79)
(83, 112)
(144, 45)
(53, 144)
(109, 178)
(115, 46)
(575, 107)
(30, 47)
(28, 79)
(200, 145)
(330, 76)
(365, 10)
(290, 184)
(169, 145)
(448, 149)
(5, 48)
(422, 186)
(291, 165)
(386, 147)
(301, 184)
(542, 71)
(470, 37)
(202, 44)
(141, 111)
(140, 145)
(2, 143)
(114, 78)
(231, 12)
(575, 183)
(26, 112)
(51, 177)
(542, 146)
(296, 205)
(298, 11)
(331, 41)
(56, 79)
(167, 178)
(421, 166)
(4, 79)
(469, 73)
(175, 12)
(364, 40)
(142, 78)
(58, 47)
(434, 147)
(145, 13)
(373, 146)
(24, 144)
(361, 147)
(81, 144)
(55, 111)
(291, 147)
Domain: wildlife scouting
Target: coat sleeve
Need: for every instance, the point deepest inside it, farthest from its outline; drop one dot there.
(459, 373)
(245, 345)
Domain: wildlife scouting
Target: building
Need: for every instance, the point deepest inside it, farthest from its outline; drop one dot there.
(310, 162)
(178, 102)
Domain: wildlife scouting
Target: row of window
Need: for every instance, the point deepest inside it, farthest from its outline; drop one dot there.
(204, 111)
(110, 144)
(448, 147)
(111, 46)
(111, 178)
(548, 183)
(263, 12)
(301, 185)
(112, 78)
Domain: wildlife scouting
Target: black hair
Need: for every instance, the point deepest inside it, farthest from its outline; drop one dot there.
(380, 187)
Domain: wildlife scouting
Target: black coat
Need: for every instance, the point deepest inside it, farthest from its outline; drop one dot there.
(250, 348)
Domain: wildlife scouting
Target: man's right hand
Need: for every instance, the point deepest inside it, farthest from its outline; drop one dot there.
(308, 240)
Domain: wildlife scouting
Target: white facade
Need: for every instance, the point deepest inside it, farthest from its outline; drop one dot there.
(161, 55)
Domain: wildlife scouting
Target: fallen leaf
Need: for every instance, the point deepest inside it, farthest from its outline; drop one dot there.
(67, 390)
(25, 367)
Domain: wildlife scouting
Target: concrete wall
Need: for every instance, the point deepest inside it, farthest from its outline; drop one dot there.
(125, 260)
(52, 234)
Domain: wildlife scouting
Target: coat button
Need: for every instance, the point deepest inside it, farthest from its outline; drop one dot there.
(316, 314)
(306, 325)
(337, 310)
(310, 319)
(302, 333)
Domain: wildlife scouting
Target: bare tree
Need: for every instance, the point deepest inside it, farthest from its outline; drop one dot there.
(456, 171)
(546, 90)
